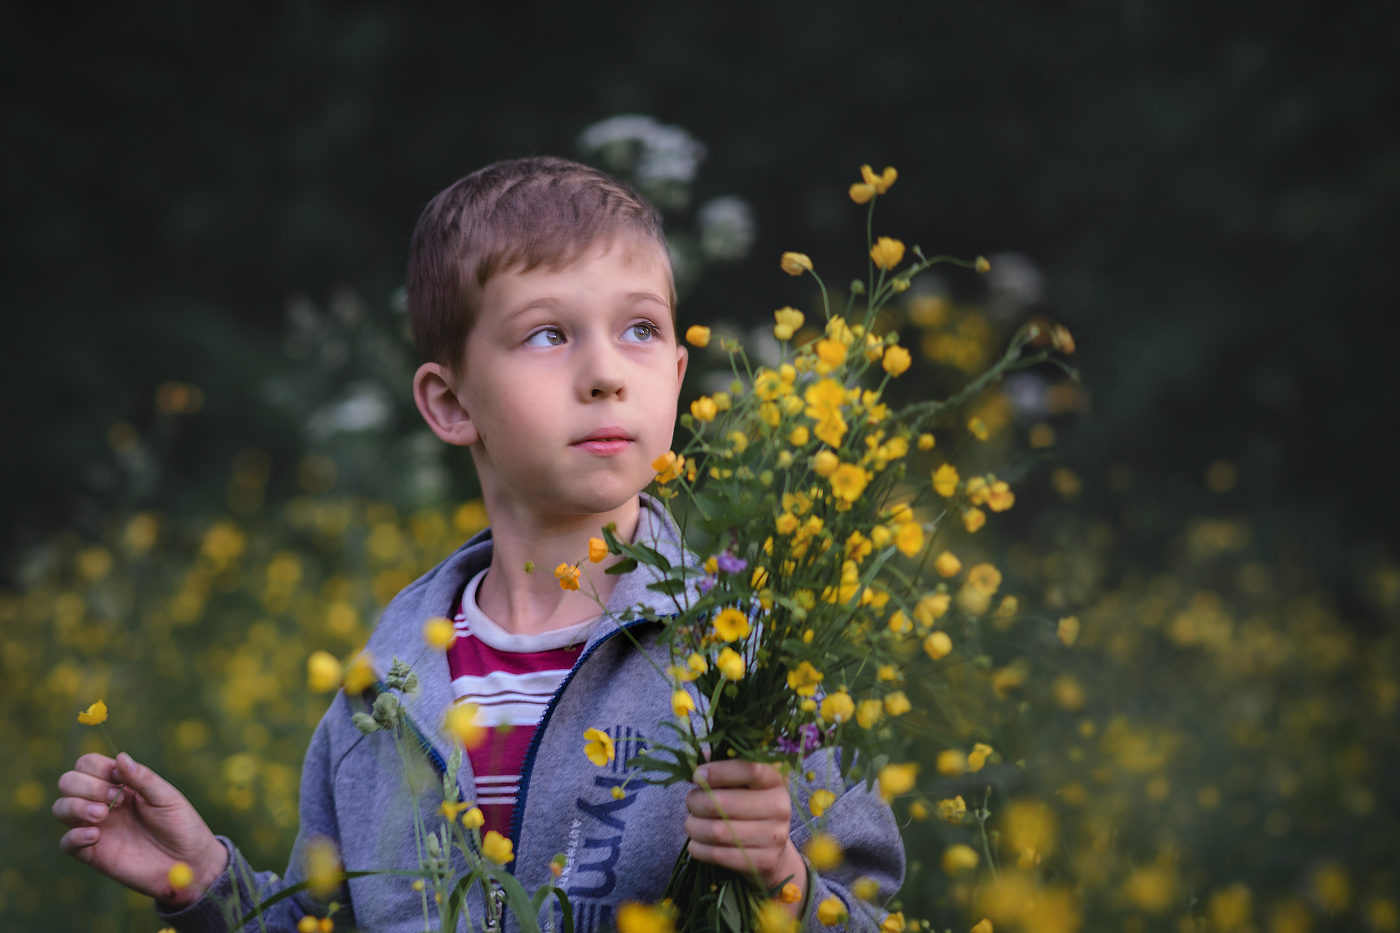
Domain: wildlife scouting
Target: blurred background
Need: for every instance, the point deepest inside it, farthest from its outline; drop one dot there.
(212, 465)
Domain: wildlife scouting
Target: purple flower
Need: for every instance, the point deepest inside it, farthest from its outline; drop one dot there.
(729, 563)
(809, 739)
(706, 584)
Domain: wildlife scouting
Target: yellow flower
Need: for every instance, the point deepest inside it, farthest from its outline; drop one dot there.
(790, 894)
(698, 335)
(867, 889)
(799, 436)
(323, 868)
(887, 252)
(982, 926)
(668, 466)
(804, 679)
(861, 193)
(953, 809)
(926, 442)
(945, 480)
(640, 918)
(909, 539)
(881, 182)
(795, 263)
(830, 354)
(897, 360)
(823, 852)
(598, 746)
(848, 481)
(984, 577)
(982, 265)
(819, 801)
(1000, 497)
(731, 625)
(773, 917)
(896, 703)
(1061, 339)
(568, 575)
(323, 672)
(951, 762)
(681, 703)
(932, 608)
(894, 923)
(617, 792)
(869, 713)
(452, 810)
(888, 673)
(831, 911)
(474, 818)
(704, 409)
(830, 430)
(789, 320)
(439, 633)
(938, 645)
(497, 848)
(597, 549)
(896, 780)
(825, 463)
(94, 715)
(180, 876)
(979, 429)
(900, 624)
(360, 676)
(730, 664)
(947, 564)
(461, 721)
(838, 707)
(1068, 630)
(312, 924)
(959, 858)
(973, 519)
(978, 756)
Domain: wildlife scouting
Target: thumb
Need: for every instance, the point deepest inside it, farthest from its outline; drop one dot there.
(157, 791)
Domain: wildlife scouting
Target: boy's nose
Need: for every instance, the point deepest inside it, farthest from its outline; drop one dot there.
(602, 377)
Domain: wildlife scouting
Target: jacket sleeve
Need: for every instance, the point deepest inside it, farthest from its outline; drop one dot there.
(239, 888)
(865, 827)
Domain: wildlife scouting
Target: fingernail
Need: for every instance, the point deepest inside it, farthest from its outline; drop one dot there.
(113, 794)
(97, 811)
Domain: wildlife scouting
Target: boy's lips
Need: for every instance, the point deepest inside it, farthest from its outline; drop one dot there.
(609, 440)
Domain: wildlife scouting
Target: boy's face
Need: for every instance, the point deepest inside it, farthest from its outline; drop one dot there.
(570, 380)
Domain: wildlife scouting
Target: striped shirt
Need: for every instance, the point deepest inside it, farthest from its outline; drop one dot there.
(511, 679)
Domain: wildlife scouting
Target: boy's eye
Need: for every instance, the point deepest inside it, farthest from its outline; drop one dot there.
(545, 337)
(643, 331)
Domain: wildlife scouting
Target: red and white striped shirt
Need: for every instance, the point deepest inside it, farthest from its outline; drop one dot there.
(511, 678)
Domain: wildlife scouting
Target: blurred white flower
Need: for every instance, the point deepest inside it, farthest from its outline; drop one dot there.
(727, 227)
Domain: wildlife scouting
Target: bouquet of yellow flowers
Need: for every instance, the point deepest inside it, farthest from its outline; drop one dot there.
(817, 588)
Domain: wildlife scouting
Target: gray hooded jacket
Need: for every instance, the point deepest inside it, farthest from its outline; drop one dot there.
(353, 788)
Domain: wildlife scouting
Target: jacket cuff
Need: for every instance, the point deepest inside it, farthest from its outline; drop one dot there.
(210, 911)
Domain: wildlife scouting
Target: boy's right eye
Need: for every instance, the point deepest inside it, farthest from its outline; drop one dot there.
(545, 337)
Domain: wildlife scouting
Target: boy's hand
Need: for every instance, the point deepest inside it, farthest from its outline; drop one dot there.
(740, 816)
(149, 827)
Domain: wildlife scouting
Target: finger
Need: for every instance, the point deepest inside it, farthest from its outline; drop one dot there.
(96, 765)
(78, 842)
(744, 861)
(78, 784)
(742, 804)
(157, 791)
(77, 811)
(744, 834)
(738, 774)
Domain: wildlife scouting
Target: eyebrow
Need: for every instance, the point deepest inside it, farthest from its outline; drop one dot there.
(549, 301)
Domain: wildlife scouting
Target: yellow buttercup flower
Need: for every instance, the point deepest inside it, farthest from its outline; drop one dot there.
(773, 917)
(730, 664)
(1000, 497)
(462, 722)
(867, 889)
(848, 481)
(984, 577)
(825, 463)
(931, 608)
(926, 442)
(881, 182)
(838, 707)
(909, 539)
(979, 429)
(803, 679)
(897, 360)
(973, 519)
(861, 193)
(795, 263)
(951, 762)
(830, 354)
(682, 704)
(180, 876)
(568, 575)
(799, 436)
(597, 549)
(697, 335)
(978, 756)
(497, 848)
(819, 801)
(704, 409)
(1068, 630)
(896, 780)
(823, 852)
(94, 715)
(789, 320)
(887, 252)
(938, 645)
(945, 480)
(959, 859)
(439, 633)
(953, 809)
(598, 746)
(732, 625)
(360, 676)
(668, 466)
(324, 873)
(982, 265)
(831, 911)
(869, 713)
(452, 810)
(790, 894)
(323, 672)
(894, 923)
(474, 818)
(641, 918)
(947, 564)
(982, 926)
(896, 703)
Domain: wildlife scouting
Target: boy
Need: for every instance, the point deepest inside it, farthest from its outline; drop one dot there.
(540, 294)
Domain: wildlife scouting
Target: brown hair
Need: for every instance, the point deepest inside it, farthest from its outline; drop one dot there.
(526, 213)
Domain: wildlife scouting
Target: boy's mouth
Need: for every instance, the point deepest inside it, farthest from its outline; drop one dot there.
(609, 440)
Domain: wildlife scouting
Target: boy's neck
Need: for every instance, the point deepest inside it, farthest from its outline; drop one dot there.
(531, 603)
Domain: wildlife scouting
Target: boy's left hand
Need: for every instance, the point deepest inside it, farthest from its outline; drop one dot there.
(742, 821)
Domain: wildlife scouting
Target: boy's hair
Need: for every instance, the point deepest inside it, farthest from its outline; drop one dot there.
(526, 213)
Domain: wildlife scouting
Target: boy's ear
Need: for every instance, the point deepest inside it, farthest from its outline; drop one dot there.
(440, 406)
(682, 360)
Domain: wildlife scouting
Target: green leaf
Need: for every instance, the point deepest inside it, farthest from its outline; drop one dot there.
(668, 587)
(622, 566)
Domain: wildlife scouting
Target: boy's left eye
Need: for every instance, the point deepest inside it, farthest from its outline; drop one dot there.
(642, 331)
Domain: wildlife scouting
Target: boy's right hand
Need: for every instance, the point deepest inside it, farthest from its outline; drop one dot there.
(149, 827)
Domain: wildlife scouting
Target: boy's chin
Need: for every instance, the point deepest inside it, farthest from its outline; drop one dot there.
(597, 498)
